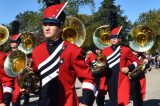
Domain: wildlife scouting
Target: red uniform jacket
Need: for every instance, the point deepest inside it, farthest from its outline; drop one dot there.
(123, 80)
(102, 86)
(71, 65)
(142, 83)
(6, 82)
(16, 89)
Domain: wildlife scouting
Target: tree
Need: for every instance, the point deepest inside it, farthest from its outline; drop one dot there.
(29, 20)
(108, 14)
(73, 5)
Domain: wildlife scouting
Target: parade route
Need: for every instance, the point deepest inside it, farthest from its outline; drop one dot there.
(152, 95)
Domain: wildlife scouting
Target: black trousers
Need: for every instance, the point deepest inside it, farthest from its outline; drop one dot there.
(136, 92)
(113, 87)
(100, 98)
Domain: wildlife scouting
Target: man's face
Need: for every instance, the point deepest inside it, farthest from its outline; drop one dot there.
(51, 31)
(115, 41)
(14, 46)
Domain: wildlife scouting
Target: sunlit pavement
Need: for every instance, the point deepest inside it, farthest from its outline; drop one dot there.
(152, 96)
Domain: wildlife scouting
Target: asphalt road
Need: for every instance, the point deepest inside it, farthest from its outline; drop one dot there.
(152, 95)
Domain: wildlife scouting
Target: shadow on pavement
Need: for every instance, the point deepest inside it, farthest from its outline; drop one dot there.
(107, 103)
(152, 102)
(33, 103)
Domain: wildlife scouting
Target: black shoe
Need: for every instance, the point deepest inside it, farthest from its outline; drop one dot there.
(16, 104)
(26, 102)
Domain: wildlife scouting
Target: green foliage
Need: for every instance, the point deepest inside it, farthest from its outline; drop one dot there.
(29, 20)
(72, 7)
(110, 14)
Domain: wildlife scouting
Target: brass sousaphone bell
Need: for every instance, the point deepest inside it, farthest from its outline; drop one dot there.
(74, 31)
(101, 40)
(15, 63)
(101, 36)
(4, 34)
(28, 42)
(28, 80)
(143, 39)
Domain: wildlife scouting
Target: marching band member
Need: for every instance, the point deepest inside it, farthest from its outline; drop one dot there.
(138, 83)
(117, 81)
(58, 63)
(6, 83)
(14, 43)
(99, 78)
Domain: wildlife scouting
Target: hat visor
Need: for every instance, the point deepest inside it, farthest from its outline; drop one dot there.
(51, 21)
(115, 36)
(14, 41)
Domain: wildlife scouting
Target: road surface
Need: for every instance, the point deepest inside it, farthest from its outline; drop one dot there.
(152, 96)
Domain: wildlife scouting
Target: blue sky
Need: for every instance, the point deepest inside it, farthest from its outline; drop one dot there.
(132, 8)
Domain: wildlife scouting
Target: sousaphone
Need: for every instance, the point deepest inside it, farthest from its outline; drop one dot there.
(74, 31)
(15, 63)
(4, 34)
(28, 42)
(101, 40)
(101, 36)
(143, 39)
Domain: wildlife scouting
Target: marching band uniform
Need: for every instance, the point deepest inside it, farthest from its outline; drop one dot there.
(138, 84)
(58, 63)
(16, 95)
(6, 83)
(99, 79)
(118, 82)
